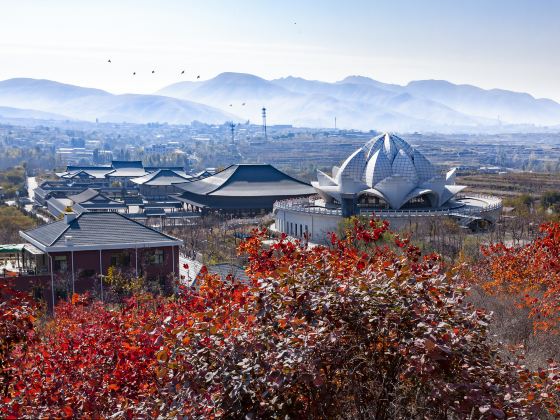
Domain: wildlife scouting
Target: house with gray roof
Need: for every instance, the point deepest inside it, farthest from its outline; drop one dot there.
(81, 247)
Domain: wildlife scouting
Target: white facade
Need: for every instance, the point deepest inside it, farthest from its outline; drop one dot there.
(389, 169)
(297, 223)
(386, 178)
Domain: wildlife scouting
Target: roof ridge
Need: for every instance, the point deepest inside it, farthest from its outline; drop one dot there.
(65, 230)
(135, 221)
(287, 175)
(219, 172)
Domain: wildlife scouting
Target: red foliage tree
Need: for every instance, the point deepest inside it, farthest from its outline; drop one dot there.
(18, 312)
(530, 273)
(358, 329)
(89, 361)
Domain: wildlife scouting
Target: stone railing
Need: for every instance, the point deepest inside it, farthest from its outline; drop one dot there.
(305, 205)
(489, 204)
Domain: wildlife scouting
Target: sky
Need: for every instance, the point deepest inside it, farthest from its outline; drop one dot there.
(508, 44)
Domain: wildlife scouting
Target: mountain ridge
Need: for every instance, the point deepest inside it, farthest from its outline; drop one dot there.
(89, 104)
(357, 102)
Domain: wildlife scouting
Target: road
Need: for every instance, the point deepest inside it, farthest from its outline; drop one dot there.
(31, 185)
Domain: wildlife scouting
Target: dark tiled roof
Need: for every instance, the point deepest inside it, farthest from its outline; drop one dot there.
(172, 168)
(127, 173)
(162, 177)
(94, 172)
(164, 204)
(157, 211)
(97, 229)
(118, 164)
(47, 234)
(133, 201)
(248, 181)
(71, 168)
(78, 174)
(85, 195)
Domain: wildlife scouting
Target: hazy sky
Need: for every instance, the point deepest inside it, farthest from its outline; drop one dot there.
(511, 44)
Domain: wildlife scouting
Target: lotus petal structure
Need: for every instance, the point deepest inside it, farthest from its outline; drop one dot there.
(390, 170)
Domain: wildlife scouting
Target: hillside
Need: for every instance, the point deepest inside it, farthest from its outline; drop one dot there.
(363, 103)
(90, 104)
(9, 112)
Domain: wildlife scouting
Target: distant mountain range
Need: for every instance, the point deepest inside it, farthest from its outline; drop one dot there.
(356, 102)
(9, 112)
(74, 102)
(364, 103)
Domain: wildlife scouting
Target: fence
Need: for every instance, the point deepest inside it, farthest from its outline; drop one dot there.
(488, 204)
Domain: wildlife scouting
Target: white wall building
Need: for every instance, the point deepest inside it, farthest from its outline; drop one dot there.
(389, 178)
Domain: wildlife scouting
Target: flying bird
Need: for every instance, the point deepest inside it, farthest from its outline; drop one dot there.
(230, 104)
(134, 73)
(153, 71)
(109, 60)
(243, 104)
(198, 77)
(183, 72)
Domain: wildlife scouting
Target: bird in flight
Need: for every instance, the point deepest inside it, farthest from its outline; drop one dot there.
(183, 72)
(243, 104)
(109, 60)
(230, 104)
(198, 77)
(153, 71)
(134, 73)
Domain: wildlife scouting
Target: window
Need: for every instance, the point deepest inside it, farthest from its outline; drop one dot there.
(155, 257)
(122, 259)
(60, 263)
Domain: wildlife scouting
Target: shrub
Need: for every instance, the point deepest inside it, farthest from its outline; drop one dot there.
(359, 329)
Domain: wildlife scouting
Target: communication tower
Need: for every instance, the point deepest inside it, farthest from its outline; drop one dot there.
(264, 123)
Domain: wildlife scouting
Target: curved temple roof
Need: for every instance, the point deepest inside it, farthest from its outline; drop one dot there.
(389, 168)
(162, 177)
(248, 180)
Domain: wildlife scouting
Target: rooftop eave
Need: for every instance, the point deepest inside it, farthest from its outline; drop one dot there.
(124, 245)
(103, 247)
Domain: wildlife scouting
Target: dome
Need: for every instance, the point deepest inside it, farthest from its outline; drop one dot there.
(389, 168)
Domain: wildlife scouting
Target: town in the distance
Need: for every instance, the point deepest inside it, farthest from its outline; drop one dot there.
(193, 191)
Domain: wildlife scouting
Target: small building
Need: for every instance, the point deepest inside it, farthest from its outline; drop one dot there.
(159, 184)
(124, 169)
(93, 200)
(81, 247)
(242, 189)
(87, 200)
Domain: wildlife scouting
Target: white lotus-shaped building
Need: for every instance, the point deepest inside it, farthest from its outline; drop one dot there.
(387, 171)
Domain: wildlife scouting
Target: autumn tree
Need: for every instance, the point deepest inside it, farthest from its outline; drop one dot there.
(529, 273)
(364, 328)
(18, 312)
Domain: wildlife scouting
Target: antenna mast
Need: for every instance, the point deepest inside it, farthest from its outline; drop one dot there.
(232, 128)
(264, 123)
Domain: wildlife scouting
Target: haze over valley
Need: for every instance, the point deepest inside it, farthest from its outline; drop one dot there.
(356, 102)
